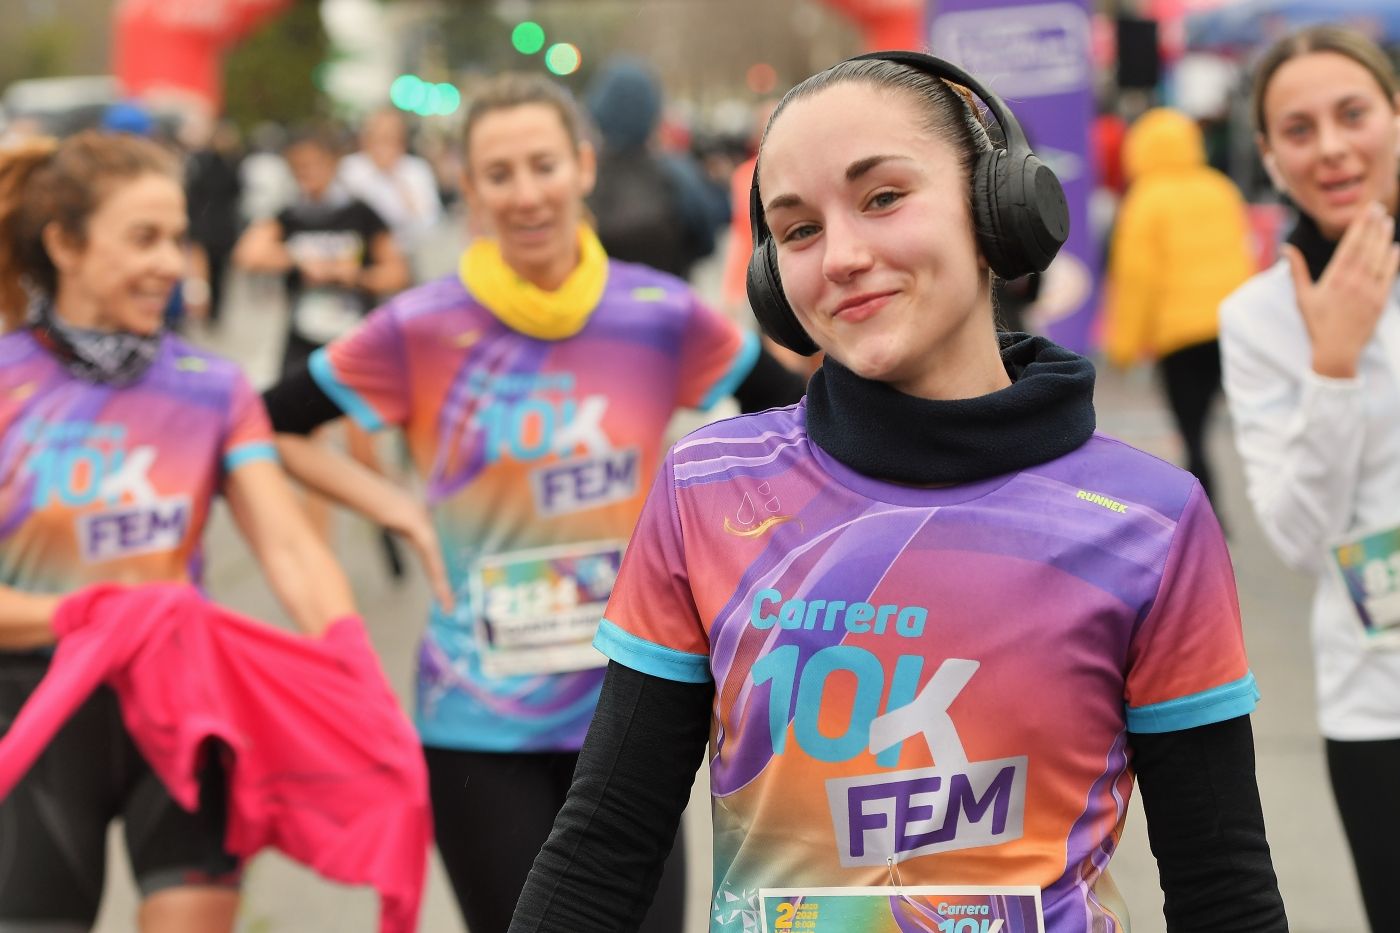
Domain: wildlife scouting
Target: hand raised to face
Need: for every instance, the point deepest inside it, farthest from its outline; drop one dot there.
(1341, 309)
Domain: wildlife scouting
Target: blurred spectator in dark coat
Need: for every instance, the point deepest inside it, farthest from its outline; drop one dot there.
(214, 191)
(650, 206)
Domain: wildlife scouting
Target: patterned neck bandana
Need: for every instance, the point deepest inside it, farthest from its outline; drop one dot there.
(114, 358)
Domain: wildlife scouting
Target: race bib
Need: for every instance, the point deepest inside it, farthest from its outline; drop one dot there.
(323, 314)
(1368, 566)
(540, 609)
(895, 910)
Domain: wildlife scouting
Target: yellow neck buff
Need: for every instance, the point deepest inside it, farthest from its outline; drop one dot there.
(531, 310)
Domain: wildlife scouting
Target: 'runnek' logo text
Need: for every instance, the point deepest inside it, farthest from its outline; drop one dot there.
(1111, 504)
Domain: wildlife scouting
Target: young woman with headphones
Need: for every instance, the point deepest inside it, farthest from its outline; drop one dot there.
(930, 623)
(534, 388)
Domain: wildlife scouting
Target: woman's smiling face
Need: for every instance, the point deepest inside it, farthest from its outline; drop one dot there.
(120, 275)
(1331, 132)
(527, 176)
(876, 250)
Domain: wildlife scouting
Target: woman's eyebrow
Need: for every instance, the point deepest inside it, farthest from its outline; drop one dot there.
(853, 172)
(781, 201)
(1345, 100)
(860, 166)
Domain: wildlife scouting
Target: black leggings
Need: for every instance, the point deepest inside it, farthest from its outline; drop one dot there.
(1191, 377)
(53, 826)
(493, 811)
(1364, 776)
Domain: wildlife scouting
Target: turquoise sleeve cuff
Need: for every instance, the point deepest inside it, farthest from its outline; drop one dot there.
(1227, 701)
(249, 453)
(739, 370)
(345, 397)
(648, 657)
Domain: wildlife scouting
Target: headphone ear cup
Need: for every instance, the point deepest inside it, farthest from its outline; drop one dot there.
(770, 305)
(1039, 224)
(1020, 211)
(986, 218)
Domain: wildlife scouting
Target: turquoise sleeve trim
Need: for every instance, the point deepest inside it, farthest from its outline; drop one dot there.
(739, 370)
(250, 452)
(347, 398)
(1227, 701)
(648, 657)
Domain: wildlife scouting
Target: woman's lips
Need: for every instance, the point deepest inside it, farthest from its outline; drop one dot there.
(862, 307)
(532, 234)
(1343, 192)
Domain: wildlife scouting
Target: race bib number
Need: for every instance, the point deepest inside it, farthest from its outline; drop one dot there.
(1368, 566)
(894, 910)
(540, 609)
(323, 314)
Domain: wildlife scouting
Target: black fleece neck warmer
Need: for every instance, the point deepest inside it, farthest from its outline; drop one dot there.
(1046, 412)
(1317, 250)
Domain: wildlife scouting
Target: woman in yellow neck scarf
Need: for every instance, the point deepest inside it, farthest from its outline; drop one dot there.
(535, 394)
(541, 270)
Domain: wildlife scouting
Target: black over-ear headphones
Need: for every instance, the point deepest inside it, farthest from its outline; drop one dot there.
(1018, 210)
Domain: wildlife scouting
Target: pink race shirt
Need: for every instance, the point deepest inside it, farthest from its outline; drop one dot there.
(536, 455)
(114, 484)
(944, 679)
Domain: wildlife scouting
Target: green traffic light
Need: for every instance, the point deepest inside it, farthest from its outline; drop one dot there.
(528, 38)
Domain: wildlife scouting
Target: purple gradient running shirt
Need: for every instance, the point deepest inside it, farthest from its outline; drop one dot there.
(942, 677)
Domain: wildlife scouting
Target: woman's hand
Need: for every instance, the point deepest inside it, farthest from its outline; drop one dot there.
(1341, 309)
(409, 519)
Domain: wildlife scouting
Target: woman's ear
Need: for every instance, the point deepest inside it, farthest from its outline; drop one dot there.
(1270, 164)
(1395, 105)
(587, 167)
(64, 251)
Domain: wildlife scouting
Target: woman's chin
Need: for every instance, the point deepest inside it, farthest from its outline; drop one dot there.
(1333, 219)
(877, 356)
(142, 324)
(1333, 223)
(537, 257)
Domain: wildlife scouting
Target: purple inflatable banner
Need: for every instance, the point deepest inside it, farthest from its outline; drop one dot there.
(1035, 55)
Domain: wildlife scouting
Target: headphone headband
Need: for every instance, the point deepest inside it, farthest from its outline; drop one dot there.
(920, 61)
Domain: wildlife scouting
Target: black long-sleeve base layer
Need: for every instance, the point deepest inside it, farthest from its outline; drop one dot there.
(597, 872)
(601, 864)
(298, 405)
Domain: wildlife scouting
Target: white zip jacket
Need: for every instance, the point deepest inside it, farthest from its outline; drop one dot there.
(1321, 459)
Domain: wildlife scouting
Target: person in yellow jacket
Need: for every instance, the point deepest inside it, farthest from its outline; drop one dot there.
(1181, 244)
